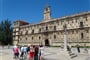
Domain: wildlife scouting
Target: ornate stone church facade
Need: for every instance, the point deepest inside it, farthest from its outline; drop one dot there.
(51, 31)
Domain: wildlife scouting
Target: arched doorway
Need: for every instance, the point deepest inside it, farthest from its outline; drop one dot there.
(46, 42)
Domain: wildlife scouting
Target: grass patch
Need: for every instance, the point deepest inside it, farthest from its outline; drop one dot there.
(54, 46)
(73, 46)
(81, 46)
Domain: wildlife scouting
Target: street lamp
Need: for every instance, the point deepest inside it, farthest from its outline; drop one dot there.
(85, 46)
(65, 37)
(65, 52)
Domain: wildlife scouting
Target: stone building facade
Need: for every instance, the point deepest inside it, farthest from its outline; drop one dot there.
(51, 31)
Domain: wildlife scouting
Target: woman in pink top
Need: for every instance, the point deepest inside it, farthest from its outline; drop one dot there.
(16, 51)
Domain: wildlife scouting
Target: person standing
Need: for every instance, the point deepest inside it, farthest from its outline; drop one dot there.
(28, 48)
(31, 53)
(41, 52)
(8, 46)
(16, 51)
(25, 52)
(22, 52)
(36, 53)
(78, 48)
(14, 48)
(69, 48)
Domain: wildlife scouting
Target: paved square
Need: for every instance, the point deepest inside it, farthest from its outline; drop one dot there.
(51, 53)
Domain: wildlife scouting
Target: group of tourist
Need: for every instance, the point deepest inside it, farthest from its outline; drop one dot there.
(69, 48)
(34, 52)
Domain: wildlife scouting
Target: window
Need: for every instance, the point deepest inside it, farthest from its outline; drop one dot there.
(86, 19)
(46, 28)
(57, 22)
(81, 24)
(64, 27)
(39, 37)
(39, 29)
(62, 22)
(26, 38)
(16, 33)
(72, 32)
(17, 29)
(33, 31)
(87, 31)
(82, 36)
(54, 27)
(32, 38)
(72, 21)
(26, 32)
(54, 36)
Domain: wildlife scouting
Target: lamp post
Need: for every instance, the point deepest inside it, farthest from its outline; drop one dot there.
(65, 37)
(65, 52)
(85, 46)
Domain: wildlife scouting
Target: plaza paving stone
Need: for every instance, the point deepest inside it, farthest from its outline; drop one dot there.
(51, 53)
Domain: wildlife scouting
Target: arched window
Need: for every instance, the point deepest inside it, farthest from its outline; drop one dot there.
(39, 29)
(72, 31)
(26, 38)
(54, 36)
(54, 27)
(33, 31)
(26, 32)
(81, 24)
(32, 38)
(46, 27)
(39, 37)
(82, 36)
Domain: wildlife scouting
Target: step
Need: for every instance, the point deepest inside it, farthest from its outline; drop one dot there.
(73, 56)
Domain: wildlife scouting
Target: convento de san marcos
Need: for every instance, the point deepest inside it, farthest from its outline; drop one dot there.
(50, 32)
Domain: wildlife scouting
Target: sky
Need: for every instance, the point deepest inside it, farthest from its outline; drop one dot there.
(32, 10)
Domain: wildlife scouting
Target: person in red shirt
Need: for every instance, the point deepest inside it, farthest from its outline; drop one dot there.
(31, 53)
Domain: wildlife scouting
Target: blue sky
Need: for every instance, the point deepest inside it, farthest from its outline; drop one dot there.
(32, 10)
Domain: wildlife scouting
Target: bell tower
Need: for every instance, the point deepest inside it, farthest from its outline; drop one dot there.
(47, 13)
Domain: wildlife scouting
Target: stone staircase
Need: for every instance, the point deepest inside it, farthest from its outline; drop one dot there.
(72, 55)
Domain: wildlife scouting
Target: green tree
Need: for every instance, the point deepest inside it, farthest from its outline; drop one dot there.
(6, 32)
(2, 34)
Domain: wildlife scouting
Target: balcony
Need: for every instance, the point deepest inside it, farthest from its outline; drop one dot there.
(81, 25)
